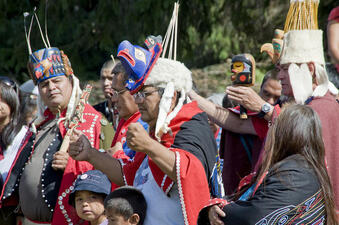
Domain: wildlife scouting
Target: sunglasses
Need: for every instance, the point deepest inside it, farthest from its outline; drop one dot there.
(8, 82)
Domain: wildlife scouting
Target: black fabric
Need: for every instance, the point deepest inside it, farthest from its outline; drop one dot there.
(197, 138)
(290, 188)
(51, 179)
(14, 175)
(103, 108)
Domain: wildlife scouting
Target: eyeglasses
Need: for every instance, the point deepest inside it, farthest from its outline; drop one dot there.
(8, 82)
(117, 93)
(143, 94)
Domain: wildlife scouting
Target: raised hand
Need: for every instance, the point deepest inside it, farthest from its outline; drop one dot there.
(79, 146)
(137, 138)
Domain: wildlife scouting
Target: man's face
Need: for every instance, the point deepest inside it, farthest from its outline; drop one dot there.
(271, 91)
(56, 92)
(285, 80)
(124, 101)
(106, 77)
(149, 105)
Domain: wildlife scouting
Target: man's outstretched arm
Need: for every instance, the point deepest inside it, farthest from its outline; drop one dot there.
(80, 149)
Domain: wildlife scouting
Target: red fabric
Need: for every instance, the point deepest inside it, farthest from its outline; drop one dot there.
(195, 190)
(120, 134)
(260, 126)
(334, 14)
(74, 168)
(1, 154)
(13, 200)
(236, 110)
(328, 112)
(246, 180)
(236, 160)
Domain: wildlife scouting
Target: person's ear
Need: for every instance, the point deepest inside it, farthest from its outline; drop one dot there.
(134, 219)
(311, 67)
(174, 100)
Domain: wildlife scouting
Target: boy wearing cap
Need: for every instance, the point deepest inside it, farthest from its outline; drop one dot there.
(125, 206)
(88, 195)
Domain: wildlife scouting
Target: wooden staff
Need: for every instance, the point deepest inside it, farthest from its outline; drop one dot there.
(76, 118)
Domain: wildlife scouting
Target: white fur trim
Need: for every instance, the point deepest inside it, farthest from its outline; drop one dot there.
(322, 80)
(173, 76)
(301, 82)
(181, 193)
(167, 70)
(164, 107)
(303, 46)
(333, 89)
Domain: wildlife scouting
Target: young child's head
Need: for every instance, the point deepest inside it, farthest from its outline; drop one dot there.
(125, 206)
(88, 196)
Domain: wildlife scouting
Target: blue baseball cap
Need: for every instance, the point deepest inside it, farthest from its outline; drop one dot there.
(138, 61)
(92, 180)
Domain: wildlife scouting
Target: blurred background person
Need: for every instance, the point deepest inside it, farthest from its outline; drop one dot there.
(107, 108)
(242, 140)
(11, 137)
(333, 46)
(28, 99)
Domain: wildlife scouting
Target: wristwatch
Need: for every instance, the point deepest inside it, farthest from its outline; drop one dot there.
(265, 108)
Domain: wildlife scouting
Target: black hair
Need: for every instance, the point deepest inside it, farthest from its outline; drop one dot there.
(9, 94)
(126, 201)
(28, 105)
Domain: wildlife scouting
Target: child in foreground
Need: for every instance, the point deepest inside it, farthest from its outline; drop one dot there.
(125, 206)
(88, 195)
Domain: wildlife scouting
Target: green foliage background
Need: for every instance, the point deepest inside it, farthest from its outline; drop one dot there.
(89, 31)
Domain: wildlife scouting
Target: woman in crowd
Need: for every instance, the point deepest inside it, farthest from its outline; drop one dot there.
(11, 137)
(292, 186)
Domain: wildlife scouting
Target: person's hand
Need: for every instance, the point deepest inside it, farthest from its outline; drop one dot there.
(246, 97)
(214, 213)
(116, 147)
(137, 137)
(60, 160)
(192, 94)
(79, 146)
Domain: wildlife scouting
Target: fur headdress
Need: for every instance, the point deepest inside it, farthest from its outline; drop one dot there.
(303, 43)
(164, 73)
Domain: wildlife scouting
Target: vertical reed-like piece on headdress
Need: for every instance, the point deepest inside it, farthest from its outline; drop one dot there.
(42, 35)
(113, 60)
(171, 35)
(302, 15)
(49, 45)
(28, 35)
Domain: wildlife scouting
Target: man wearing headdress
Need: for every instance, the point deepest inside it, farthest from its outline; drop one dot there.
(45, 175)
(304, 79)
(174, 161)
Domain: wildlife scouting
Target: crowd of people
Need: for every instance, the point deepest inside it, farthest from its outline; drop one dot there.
(157, 152)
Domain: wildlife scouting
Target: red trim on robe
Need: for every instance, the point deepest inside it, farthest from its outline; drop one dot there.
(74, 168)
(195, 190)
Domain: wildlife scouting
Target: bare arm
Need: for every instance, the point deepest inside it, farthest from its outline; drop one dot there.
(139, 140)
(333, 40)
(223, 117)
(248, 98)
(80, 149)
